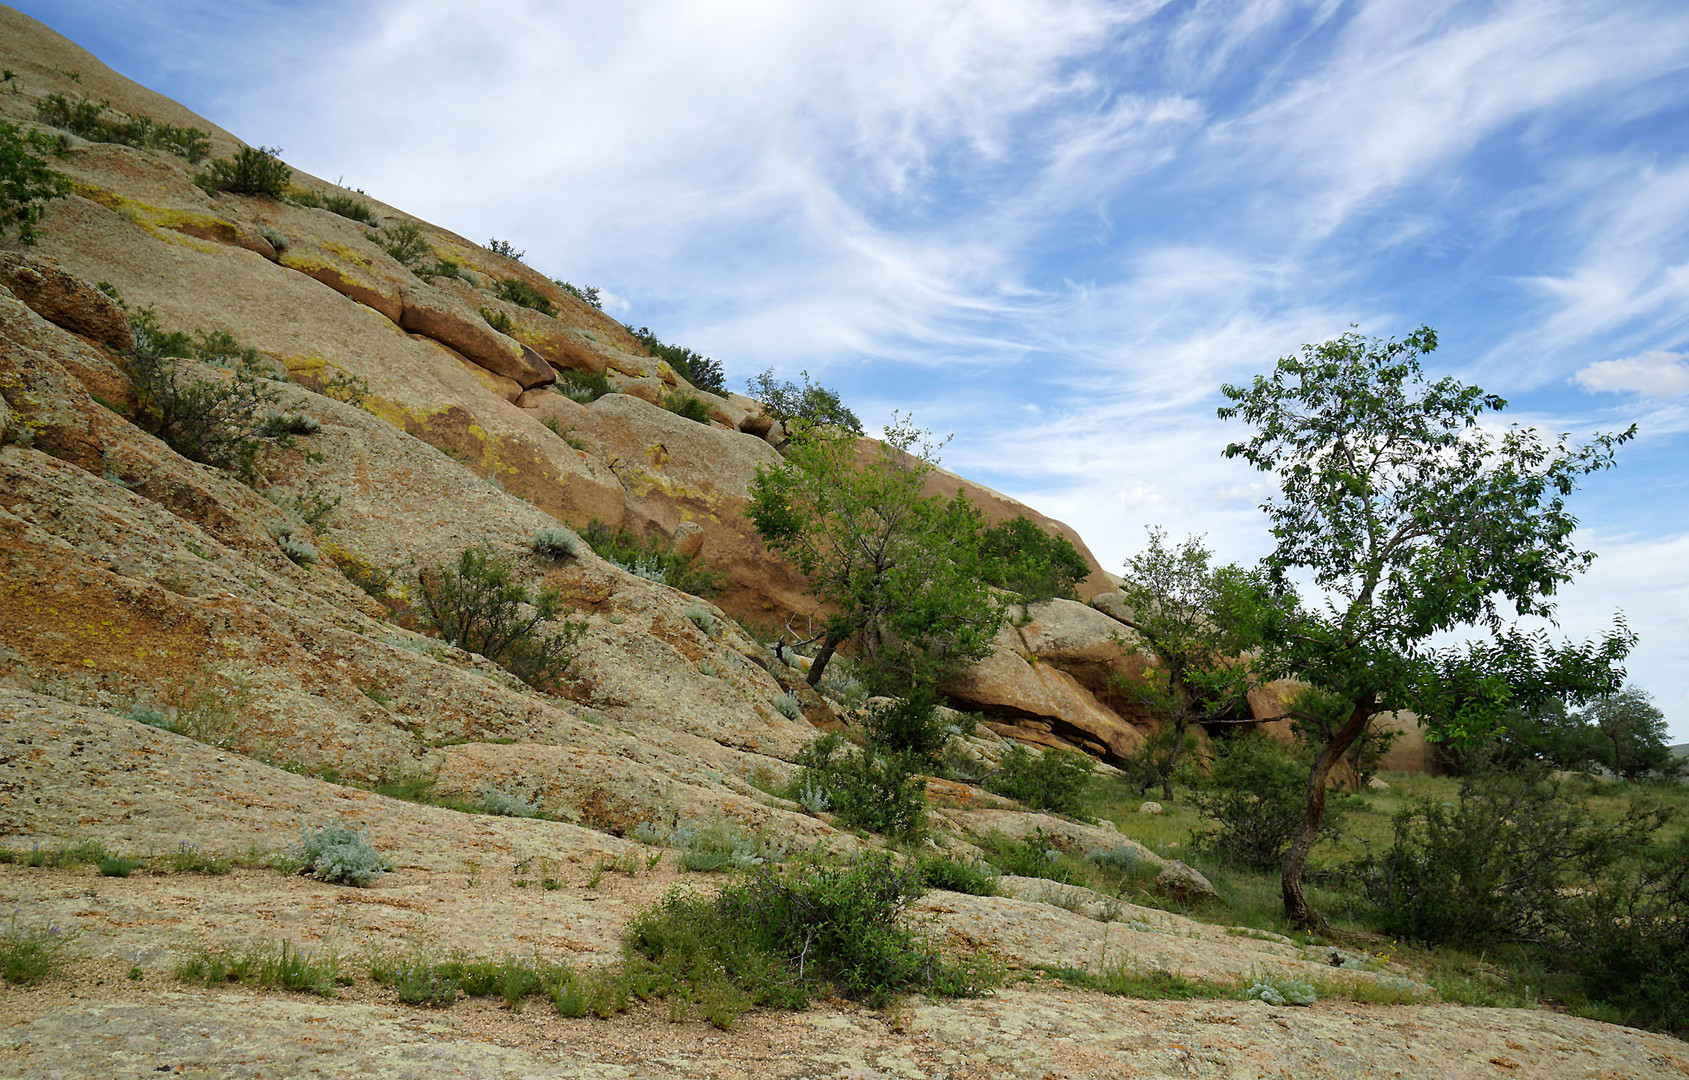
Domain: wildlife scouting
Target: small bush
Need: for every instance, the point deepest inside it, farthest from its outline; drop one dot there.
(908, 725)
(405, 243)
(586, 294)
(350, 207)
(704, 619)
(654, 559)
(694, 367)
(26, 183)
(274, 237)
(503, 803)
(1254, 792)
(88, 120)
(688, 406)
(118, 866)
(498, 320)
(444, 268)
(958, 875)
(1033, 856)
(519, 292)
(867, 788)
(582, 386)
(301, 551)
(340, 855)
(810, 404)
(722, 846)
(28, 956)
(280, 968)
(480, 607)
(781, 935)
(788, 706)
(1281, 990)
(252, 171)
(506, 249)
(278, 424)
(188, 859)
(557, 543)
(1056, 780)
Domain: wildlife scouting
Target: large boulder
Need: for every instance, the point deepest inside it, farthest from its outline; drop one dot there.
(66, 300)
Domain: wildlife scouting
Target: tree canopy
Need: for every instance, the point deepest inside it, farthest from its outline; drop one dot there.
(900, 572)
(1402, 516)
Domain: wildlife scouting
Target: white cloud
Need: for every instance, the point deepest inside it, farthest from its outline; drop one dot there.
(1654, 373)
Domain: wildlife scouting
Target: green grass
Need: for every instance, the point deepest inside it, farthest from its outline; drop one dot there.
(264, 967)
(28, 956)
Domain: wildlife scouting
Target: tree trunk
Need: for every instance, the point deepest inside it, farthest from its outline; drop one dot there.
(1173, 761)
(819, 665)
(1296, 907)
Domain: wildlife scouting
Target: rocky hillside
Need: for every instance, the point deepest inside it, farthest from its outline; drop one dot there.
(268, 622)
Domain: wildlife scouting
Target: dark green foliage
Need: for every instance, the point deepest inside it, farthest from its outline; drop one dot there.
(1027, 561)
(498, 320)
(694, 367)
(1633, 734)
(583, 386)
(519, 292)
(687, 405)
(506, 249)
(480, 607)
(26, 183)
(220, 421)
(1500, 865)
(909, 724)
(87, 119)
(812, 404)
(654, 559)
(958, 875)
(118, 866)
(404, 242)
(1628, 941)
(781, 935)
(1032, 856)
(867, 787)
(1056, 780)
(586, 294)
(1254, 792)
(250, 172)
(444, 268)
(351, 207)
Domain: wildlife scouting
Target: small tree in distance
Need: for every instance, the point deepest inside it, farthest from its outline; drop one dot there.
(1405, 519)
(1633, 734)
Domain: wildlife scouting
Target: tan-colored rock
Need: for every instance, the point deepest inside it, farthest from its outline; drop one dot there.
(1182, 882)
(1060, 832)
(1149, 808)
(66, 300)
(438, 314)
(1113, 604)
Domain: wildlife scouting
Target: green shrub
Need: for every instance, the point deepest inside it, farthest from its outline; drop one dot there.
(26, 183)
(28, 956)
(506, 249)
(501, 803)
(654, 559)
(339, 855)
(556, 543)
(582, 386)
(687, 405)
(1033, 856)
(1056, 780)
(908, 724)
(274, 237)
(118, 865)
(1281, 990)
(519, 292)
(87, 119)
(788, 706)
(404, 242)
(350, 207)
(868, 788)
(1019, 556)
(1254, 792)
(781, 935)
(694, 367)
(498, 320)
(480, 607)
(704, 619)
(586, 294)
(444, 268)
(958, 875)
(214, 420)
(722, 846)
(188, 859)
(252, 171)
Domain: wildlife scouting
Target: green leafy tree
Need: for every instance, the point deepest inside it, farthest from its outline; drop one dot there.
(900, 571)
(1633, 734)
(26, 183)
(811, 404)
(1404, 518)
(1194, 618)
(1033, 564)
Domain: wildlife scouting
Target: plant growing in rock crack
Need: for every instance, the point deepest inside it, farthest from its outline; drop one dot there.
(480, 607)
(251, 171)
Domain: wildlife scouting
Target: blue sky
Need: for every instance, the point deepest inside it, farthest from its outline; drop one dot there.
(1052, 228)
